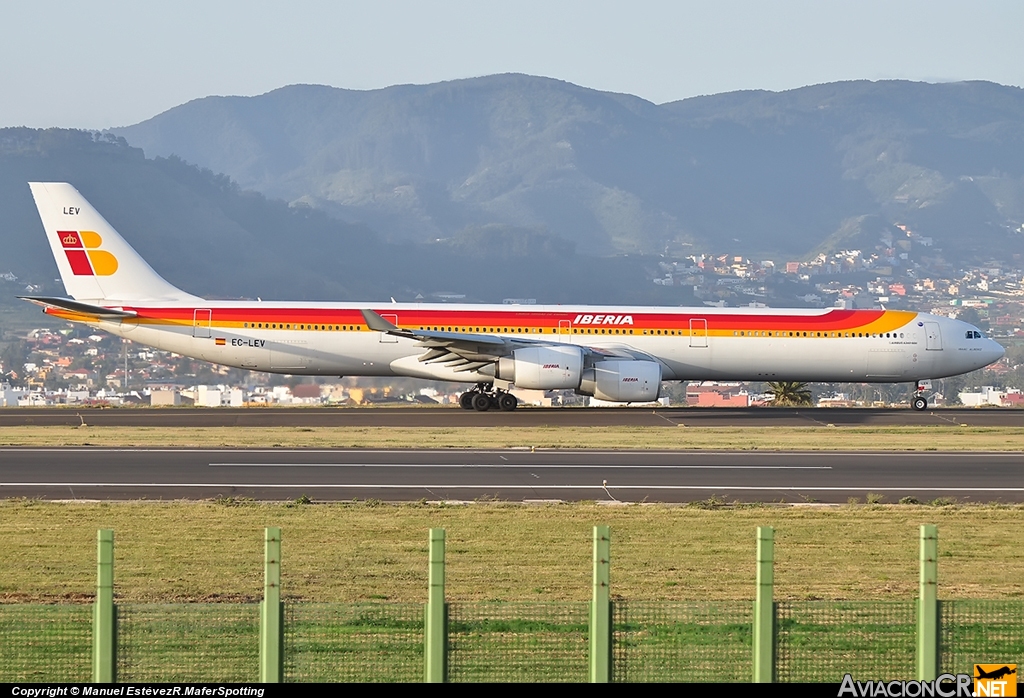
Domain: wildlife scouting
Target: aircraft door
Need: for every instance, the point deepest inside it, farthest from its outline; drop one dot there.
(565, 328)
(933, 337)
(202, 319)
(698, 332)
(386, 338)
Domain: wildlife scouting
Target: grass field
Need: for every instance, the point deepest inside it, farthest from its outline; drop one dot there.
(930, 438)
(212, 551)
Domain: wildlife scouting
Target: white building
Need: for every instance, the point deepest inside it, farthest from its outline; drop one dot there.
(988, 396)
(11, 397)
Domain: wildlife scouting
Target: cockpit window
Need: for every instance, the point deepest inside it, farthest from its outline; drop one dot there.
(973, 334)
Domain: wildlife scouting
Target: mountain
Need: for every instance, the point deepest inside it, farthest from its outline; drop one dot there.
(779, 175)
(204, 233)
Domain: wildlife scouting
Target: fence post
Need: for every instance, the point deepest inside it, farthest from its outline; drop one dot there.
(104, 613)
(271, 610)
(435, 650)
(928, 605)
(764, 607)
(601, 609)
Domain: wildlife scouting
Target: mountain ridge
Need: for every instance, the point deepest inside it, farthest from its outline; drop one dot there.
(205, 234)
(776, 172)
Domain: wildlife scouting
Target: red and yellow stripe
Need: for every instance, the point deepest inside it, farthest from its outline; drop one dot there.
(832, 323)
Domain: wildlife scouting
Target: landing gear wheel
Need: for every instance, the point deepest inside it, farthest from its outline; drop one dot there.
(466, 400)
(919, 403)
(507, 402)
(481, 402)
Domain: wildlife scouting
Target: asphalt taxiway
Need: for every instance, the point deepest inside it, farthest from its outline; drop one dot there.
(441, 417)
(508, 474)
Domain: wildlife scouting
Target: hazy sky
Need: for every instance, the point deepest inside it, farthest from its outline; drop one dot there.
(102, 64)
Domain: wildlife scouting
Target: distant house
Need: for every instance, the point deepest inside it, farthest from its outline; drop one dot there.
(306, 392)
(988, 395)
(165, 398)
(717, 395)
(1014, 399)
(10, 396)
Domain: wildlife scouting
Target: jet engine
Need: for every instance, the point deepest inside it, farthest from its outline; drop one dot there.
(542, 368)
(622, 381)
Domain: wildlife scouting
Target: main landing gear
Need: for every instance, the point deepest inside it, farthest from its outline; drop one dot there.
(919, 402)
(484, 397)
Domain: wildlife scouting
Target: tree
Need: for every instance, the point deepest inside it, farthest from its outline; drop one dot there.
(972, 317)
(13, 358)
(789, 393)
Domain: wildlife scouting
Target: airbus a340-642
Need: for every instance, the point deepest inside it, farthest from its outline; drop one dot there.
(618, 354)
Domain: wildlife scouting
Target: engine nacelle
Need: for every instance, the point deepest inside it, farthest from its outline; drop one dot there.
(622, 381)
(542, 368)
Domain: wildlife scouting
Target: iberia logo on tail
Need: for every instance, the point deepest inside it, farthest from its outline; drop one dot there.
(84, 255)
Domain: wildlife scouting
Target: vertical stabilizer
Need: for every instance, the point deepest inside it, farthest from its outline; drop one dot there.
(95, 263)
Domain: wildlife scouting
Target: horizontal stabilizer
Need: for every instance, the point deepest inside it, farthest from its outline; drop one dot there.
(77, 306)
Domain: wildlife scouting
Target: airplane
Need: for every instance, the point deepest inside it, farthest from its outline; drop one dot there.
(614, 353)
(994, 674)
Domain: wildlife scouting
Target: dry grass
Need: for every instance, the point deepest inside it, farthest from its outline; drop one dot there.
(344, 552)
(930, 438)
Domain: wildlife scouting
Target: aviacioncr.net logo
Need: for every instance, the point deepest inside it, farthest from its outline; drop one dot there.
(82, 248)
(945, 686)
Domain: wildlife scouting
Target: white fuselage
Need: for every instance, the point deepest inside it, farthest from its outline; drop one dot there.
(689, 343)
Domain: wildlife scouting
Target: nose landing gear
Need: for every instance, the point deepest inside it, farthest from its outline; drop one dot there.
(919, 401)
(484, 397)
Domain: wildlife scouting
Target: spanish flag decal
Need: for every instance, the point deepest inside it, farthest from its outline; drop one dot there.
(219, 341)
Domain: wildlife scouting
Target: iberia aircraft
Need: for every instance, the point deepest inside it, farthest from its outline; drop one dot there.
(619, 354)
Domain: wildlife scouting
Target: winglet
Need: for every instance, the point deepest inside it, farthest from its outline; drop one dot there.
(377, 323)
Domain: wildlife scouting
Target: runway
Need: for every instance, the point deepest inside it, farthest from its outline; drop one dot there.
(442, 417)
(512, 475)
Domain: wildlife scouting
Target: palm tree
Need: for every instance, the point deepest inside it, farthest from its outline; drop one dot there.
(789, 393)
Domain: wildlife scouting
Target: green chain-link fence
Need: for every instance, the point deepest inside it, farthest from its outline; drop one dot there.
(819, 641)
(188, 642)
(512, 642)
(45, 643)
(371, 642)
(981, 632)
(682, 641)
(703, 641)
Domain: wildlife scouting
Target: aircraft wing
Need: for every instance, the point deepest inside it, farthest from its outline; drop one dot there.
(469, 351)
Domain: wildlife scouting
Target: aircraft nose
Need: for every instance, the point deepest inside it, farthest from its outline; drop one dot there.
(996, 350)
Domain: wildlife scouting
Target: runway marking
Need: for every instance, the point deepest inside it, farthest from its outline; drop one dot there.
(510, 466)
(195, 485)
(675, 424)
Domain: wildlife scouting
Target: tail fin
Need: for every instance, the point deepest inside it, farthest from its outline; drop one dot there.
(95, 263)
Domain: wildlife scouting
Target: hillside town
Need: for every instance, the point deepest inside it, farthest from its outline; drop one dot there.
(74, 365)
(902, 271)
